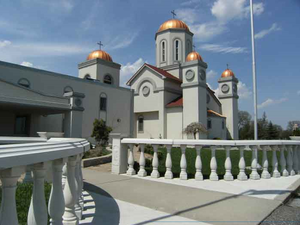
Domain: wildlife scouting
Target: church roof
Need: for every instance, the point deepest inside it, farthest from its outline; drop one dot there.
(158, 70)
(213, 113)
(176, 103)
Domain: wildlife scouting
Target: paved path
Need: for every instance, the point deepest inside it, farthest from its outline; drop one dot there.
(168, 201)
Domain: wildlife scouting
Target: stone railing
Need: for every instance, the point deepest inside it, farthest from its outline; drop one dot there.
(59, 156)
(123, 160)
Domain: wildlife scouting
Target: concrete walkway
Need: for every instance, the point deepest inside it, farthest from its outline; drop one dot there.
(129, 200)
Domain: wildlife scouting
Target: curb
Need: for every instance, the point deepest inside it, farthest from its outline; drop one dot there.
(96, 160)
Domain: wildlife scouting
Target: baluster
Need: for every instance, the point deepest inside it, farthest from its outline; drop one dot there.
(81, 201)
(198, 164)
(284, 171)
(290, 161)
(64, 176)
(169, 174)
(298, 157)
(265, 174)
(142, 172)
(8, 211)
(242, 166)
(213, 165)
(228, 175)
(276, 173)
(78, 209)
(155, 173)
(183, 164)
(37, 214)
(254, 175)
(56, 206)
(70, 193)
(295, 159)
(131, 170)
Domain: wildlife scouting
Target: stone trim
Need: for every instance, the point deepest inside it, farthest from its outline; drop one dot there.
(226, 79)
(98, 61)
(193, 84)
(173, 30)
(228, 96)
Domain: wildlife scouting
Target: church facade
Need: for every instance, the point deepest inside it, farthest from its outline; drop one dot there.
(173, 94)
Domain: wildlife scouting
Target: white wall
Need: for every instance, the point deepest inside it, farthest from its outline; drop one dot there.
(152, 126)
(174, 123)
(216, 130)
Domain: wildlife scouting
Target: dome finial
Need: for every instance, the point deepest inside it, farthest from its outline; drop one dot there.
(100, 44)
(227, 66)
(174, 14)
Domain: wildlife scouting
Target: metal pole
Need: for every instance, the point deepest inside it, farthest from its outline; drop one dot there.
(254, 72)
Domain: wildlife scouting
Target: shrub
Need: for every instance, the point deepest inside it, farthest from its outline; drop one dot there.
(101, 132)
(296, 132)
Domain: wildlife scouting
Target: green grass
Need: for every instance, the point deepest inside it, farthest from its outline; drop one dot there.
(23, 198)
(205, 156)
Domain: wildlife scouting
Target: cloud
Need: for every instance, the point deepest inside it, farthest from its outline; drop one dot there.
(188, 15)
(207, 31)
(223, 49)
(211, 74)
(263, 33)
(243, 91)
(128, 70)
(190, 2)
(121, 41)
(4, 43)
(270, 101)
(227, 10)
(298, 92)
(53, 5)
(28, 64)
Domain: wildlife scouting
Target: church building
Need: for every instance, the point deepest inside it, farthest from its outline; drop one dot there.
(173, 94)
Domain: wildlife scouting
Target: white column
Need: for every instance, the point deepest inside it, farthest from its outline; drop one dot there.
(254, 175)
(56, 205)
(142, 172)
(119, 164)
(242, 165)
(37, 214)
(131, 170)
(70, 193)
(198, 164)
(265, 174)
(183, 164)
(284, 171)
(228, 175)
(81, 200)
(298, 157)
(8, 211)
(169, 174)
(295, 159)
(290, 161)
(155, 173)
(213, 165)
(276, 173)
(78, 209)
(64, 176)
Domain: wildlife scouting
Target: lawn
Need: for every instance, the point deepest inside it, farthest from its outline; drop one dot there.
(205, 156)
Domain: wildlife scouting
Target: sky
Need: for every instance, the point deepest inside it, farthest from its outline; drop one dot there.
(56, 35)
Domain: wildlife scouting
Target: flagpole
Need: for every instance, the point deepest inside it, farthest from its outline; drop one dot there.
(254, 72)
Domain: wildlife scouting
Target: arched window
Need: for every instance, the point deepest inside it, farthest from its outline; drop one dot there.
(24, 82)
(103, 107)
(163, 51)
(176, 50)
(141, 124)
(107, 79)
(209, 125)
(68, 89)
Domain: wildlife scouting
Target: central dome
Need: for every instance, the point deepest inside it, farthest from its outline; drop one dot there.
(227, 73)
(99, 54)
(173, 24)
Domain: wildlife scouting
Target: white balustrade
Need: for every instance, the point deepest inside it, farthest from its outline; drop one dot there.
(254, 174)
(276, 173)
(295, 159)
(39, 155)
(169, 174)
(265, 163)
(155, 163)
(284, 171)
(213, 165)
(198, 164)
(290, 160)
(183, 164)
(242, 165)
(78, 209)
(131, 170)
(228, 175)
(142, 172)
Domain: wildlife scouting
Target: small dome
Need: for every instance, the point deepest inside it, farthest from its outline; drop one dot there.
(193, 56)
(173, 24)
(100, 54)
(227, 73)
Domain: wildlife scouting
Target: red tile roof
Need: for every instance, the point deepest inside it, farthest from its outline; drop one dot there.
(164, 73)
(215, 113)
(176, 103)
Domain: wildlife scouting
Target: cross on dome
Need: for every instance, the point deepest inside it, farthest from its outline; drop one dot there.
(100, 44)
(174, 14)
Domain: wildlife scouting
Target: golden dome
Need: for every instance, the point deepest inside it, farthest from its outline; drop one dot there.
(173, 24)
(100, 54)
(193, 56)
(227, 73)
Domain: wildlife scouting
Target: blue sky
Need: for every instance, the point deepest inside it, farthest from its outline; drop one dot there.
(57, 35)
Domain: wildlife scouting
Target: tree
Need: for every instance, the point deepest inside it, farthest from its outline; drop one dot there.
(195, 128)
(291, 124)
(244, 119)
(272, 131)
(101, 132)
(262, 126)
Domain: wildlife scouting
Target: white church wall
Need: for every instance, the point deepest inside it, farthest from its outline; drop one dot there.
(152, 125)
(229, 110)
(88, 71)
(174, 123)
(212, 104)
(216, 130)
(54, 84)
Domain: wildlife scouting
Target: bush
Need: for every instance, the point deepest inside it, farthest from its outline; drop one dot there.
(101, 132)
(296, 132)
(23, 199)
